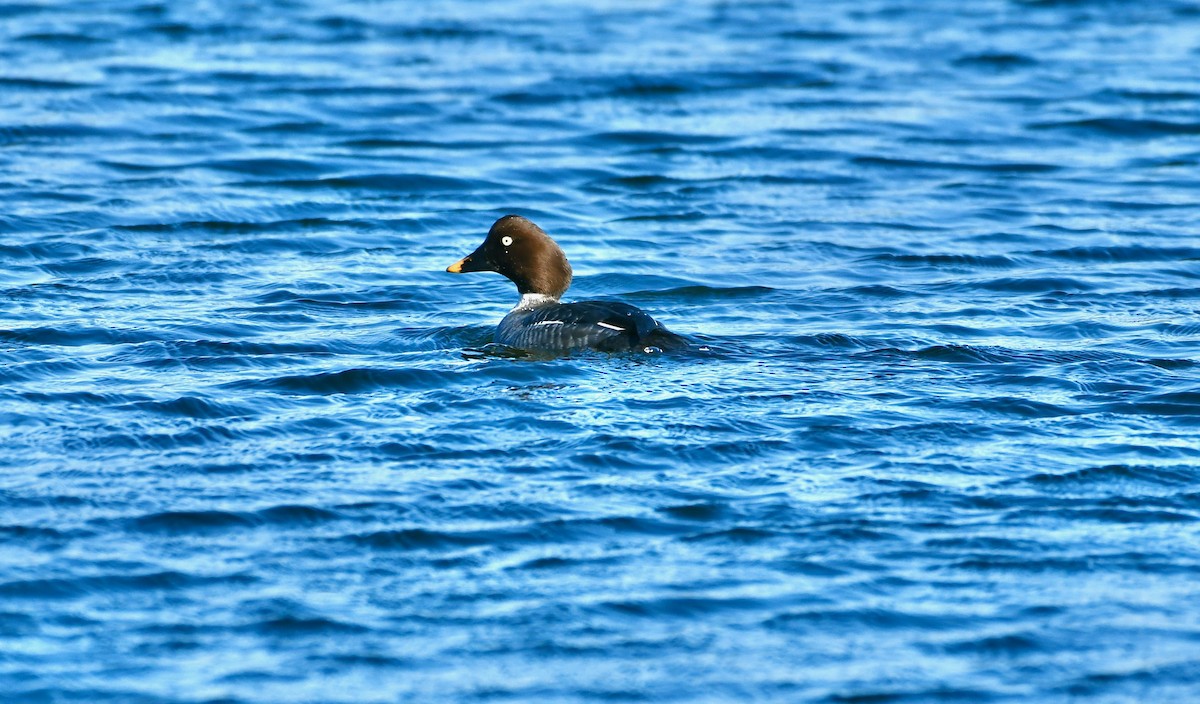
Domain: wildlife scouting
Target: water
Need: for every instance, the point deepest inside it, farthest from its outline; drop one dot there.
(944, 448)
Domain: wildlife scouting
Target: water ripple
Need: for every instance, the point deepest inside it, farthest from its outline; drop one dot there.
(936, 441)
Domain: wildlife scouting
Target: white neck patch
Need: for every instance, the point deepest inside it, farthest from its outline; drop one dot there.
(533, 300)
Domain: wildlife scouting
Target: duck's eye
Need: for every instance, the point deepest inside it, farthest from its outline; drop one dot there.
(506, 240)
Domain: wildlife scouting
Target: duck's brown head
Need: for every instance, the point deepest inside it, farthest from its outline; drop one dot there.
(521, 251)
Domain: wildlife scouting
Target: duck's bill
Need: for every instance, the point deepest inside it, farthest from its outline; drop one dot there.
(475, 261)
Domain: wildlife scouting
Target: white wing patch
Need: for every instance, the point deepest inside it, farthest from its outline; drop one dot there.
(611, 327)
(550, 322)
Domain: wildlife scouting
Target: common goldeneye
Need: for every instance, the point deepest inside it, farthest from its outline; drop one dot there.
(521, 251)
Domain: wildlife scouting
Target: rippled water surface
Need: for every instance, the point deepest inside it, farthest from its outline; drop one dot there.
(256, 446)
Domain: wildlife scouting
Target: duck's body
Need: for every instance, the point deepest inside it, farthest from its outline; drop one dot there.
(521, 251)
(597, 325)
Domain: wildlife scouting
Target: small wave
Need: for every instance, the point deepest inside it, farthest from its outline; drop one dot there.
(690, 293)
(63, 38)
(945, 353)
(48, 250)
(265, 167)
(17, 9)
(702, 512)
(689, 216)
(1009, 644)
(193, 407)
(1185, 404)
(1180, 329)
(417, 539)
(984, 544)
(84, 266)
(1020, 407)
(731, 451)
(683, 607)
(414, 143)
(1102, 514)
(832, 339)
(1129, 681)
(241, 353)
(22, 134)
(77, 336)
(738, 535)
(995, 167)
(445, 30)
(875, 618)
(1171, 293)
(40, 83)
(288, 127)
(643, 182)
(1172, 364)
(1151, 95)
(996, 60)
(1032, 284)
(390, 299)
(1124, 253)
(297, 625)
(192, 521)
(341, 23)
(1118, 127)
(348, 381)
(635, 88)
(645, 138)
(878, 291)
(391, 183)
(1116, 477)
(49, 538)
(1024, 563)
(447, 337)
(817, 35)
(930, 497)
(556, 563)
(539, 532)
(945, 260)
(247, 227)
(73, 587)
(17, 625)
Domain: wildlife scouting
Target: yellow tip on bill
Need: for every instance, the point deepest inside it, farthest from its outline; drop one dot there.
(456, 267)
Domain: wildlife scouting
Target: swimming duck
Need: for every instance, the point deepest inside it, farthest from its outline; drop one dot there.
(521, 251)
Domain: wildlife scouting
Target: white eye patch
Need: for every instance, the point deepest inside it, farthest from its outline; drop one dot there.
(506, 240)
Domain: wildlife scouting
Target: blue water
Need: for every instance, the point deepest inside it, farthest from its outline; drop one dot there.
(257, 448)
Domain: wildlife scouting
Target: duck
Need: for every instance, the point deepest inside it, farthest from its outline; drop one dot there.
(522, 252)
